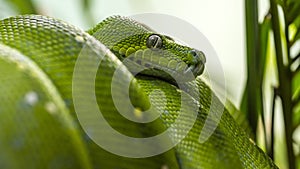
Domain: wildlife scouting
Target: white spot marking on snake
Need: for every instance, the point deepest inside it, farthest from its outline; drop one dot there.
(79, 39)
(164, 167)
(31, 98)
(166, 112)
(21, 66)
(138, 113)
(174, 131)
(51, 107)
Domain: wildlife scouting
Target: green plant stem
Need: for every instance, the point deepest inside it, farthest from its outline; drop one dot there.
(287, 34)
(252, 33)
(284, 88)
(271, 147)
(86, 7)
(295, 58)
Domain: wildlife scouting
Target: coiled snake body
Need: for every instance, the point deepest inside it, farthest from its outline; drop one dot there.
(38, 123)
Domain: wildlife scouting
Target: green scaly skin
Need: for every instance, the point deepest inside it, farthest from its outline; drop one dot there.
(132, 41)
(32, 136)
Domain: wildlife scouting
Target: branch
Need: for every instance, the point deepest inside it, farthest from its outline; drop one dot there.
(270, 148)
(295, 58)
(284, 85)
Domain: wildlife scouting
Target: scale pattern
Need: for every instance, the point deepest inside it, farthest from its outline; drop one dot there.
(37, 119)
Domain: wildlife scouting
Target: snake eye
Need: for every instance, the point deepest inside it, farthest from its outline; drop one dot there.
(154, 42)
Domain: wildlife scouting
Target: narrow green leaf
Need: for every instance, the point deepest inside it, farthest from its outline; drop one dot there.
(292, 10)
(297, 22)
(295, 31)
(264, 30)
(297, 36)
(86, 4)
(252, 34)
(86, 7)
(296, 99)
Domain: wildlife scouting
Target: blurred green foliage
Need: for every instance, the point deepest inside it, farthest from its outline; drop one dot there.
(24, 6)
(278, 32)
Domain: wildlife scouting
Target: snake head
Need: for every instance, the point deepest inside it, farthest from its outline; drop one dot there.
(160, 54)
(194, 59)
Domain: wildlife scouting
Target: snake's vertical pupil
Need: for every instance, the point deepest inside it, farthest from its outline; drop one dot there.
(154, 42)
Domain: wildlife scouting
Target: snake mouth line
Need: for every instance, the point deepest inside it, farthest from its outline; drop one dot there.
(163, 67)
(195, 69)
(180, 71)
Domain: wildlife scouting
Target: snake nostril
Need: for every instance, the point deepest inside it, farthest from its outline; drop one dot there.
(198, 56)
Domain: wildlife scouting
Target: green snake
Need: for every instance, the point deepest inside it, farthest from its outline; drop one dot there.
(39, 127)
